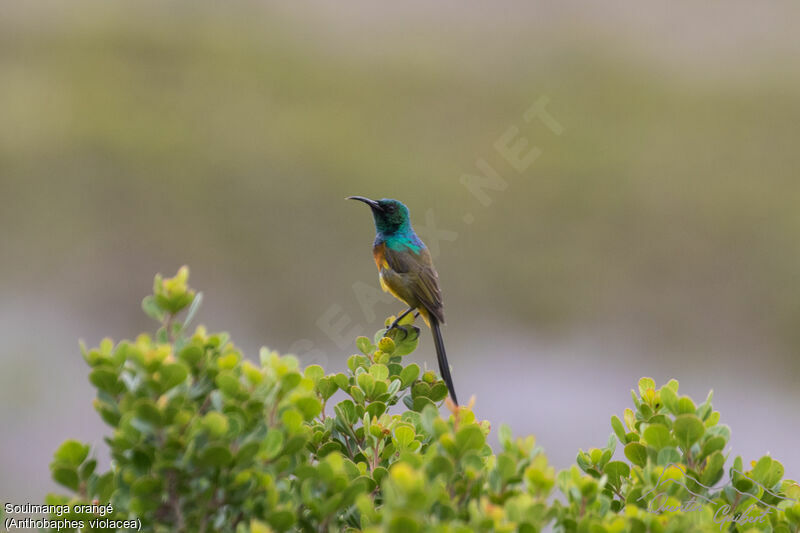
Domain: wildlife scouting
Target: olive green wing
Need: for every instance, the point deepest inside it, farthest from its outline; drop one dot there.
(420, 277)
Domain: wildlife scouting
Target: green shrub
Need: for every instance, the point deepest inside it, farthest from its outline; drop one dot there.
(205, 440)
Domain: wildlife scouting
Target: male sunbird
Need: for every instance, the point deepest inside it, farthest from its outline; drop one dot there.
(405, 270)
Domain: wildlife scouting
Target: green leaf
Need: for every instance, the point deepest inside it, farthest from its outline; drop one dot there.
(380, 389)
(636, 453)
(469, 438)
(72, 453)
(688, 429)
(147, 486)
(657, 436)
(669, 399)
(611, 445)
(646, 384)
(105, 378)
(281, 519)
(293, 444)
(292, 419)
(87, 469)
(146, 410)
(584, 460)
(366, 383)
(506, 466)
(376, 409)
(326, 387)
(254, 374)
(394, 387)
(357, 394)
(330, 447)
(342, 381)
(505, 436)
(290, 380)
(257, 526)
(365, 346)
(215, 455)
(404, 435)
(379, 372)
(409, 374)
(196, 302)
(686, 406)
(216, 423)
(346, 411)
(273, 444)
(630, 419)
(420, 388)
(152, 309)
(405, 340)
(438, 392)
(191, 354)
(712, 419)
(619, 429)
(713, 470)
(309, 406)
(66, 476)
(720, 431)
(386, 345)
(420, 402)
(767, 471)
(228, 383)
(172, 374)
(104, 486)
(246, 453)
(314, 373)
(616, 470)
(712, 445)
(667, 456)
(596, 455)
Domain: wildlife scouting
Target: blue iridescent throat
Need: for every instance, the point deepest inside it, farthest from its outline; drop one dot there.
(400, 241)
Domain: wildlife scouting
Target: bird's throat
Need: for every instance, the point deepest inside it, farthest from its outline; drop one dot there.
(400, 241)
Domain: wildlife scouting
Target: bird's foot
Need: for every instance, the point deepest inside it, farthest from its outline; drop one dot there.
(396, 325)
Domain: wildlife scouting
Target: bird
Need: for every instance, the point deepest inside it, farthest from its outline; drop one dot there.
(406, 271)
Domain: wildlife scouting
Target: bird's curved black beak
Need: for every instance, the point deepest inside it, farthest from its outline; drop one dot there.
(372, 203)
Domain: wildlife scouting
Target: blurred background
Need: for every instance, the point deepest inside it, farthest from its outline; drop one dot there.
(656, 235)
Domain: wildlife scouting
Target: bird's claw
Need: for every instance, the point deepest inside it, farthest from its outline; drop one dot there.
(396, 325)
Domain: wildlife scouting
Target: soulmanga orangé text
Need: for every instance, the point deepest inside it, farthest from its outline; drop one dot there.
(60, 511)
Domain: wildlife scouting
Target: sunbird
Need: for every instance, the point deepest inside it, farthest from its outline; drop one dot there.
(405, 270)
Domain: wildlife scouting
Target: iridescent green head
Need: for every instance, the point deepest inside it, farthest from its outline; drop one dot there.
(391, 216)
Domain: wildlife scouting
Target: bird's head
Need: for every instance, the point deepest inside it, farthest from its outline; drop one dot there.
(390, 215)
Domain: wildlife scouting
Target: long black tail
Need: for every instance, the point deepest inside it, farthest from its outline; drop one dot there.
(441, 355)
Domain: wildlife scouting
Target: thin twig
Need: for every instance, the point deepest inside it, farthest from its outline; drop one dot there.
(168, 325)
(174, 501)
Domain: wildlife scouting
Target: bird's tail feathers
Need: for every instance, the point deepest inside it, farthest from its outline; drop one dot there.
(441, 356)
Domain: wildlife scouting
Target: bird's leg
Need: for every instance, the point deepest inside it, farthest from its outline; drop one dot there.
(399, 318)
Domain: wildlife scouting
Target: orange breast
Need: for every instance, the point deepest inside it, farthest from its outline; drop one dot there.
(379, 254)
